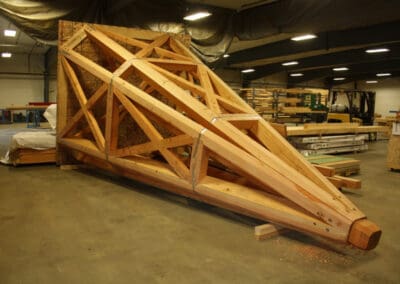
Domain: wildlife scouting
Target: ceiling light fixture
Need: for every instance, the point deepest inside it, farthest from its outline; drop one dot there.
(296, 74)
(377, 50)
(383, 74)
(290, 63)
(303, 37)
(10, 33)
(248, 70)
(226, 55)
(197, 16)
(371, 82)
(340, 69)
(339, 79)
(6, 54)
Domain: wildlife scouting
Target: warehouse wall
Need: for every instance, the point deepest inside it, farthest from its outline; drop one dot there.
(387, 95)
(20, 90)
(274, 80)
(21, 79)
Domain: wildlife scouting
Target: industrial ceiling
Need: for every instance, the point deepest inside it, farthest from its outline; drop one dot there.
(255, 34)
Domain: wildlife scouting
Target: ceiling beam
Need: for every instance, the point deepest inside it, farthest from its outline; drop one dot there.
(331, 60)
(355, 70)
(328, 42)
(361, 77)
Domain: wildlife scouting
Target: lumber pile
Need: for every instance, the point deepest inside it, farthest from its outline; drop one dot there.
(140, 104)
(331, 144)
(285, 105)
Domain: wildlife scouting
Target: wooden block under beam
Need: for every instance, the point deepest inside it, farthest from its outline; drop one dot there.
(267, 231)
(72, 167)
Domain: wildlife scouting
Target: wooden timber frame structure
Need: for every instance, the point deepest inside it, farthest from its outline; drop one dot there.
(140, 104)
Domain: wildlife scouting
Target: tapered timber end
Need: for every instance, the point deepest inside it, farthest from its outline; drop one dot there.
(364, 234)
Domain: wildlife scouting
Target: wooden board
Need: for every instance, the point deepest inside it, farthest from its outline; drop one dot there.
(393, 155)
(336, 150)
(145, 107)
(337, 129)
(31, 156)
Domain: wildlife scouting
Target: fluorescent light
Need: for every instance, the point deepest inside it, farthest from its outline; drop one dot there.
(10, 33)
(197, 16)
(339, 79)
(296, 74)
(340, 69)
(303, 37)
(248, 70)
(226, 55)
(371, 82)
(377, 50)
(383, 74)
(6, 54)
(290, 63)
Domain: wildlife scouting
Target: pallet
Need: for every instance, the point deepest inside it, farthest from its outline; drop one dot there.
(341, 165)
(140, 104)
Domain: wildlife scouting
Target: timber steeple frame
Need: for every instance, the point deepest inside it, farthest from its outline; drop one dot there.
(189, 132)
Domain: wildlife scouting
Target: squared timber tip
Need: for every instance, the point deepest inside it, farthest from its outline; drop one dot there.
(364, 234)
(267, 231)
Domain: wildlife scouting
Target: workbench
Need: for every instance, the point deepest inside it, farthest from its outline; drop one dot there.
(30, 109)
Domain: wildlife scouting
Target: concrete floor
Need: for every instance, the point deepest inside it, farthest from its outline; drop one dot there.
(82, 227)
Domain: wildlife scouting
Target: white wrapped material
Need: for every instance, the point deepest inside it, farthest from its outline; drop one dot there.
(38, 140)
(51, 115)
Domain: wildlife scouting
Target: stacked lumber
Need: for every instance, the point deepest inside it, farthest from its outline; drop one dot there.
(342, 165)
(260, 99)
(331, 144)
(140, 104)
(282, 105)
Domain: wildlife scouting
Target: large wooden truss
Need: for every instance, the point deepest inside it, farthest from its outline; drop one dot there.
(140, 104)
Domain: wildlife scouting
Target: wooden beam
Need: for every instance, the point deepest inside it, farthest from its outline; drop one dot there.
(172, 142)
(198, 162)
(168, 54)
(154, 135)
(76, 39)
(173, 65)
(149, 48)
(345, 182)
(122, 38)
(80, 114)
(210, 97)
(326, 171)
(80, 95)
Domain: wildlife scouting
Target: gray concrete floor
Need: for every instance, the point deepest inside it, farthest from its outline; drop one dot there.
(83, 227)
